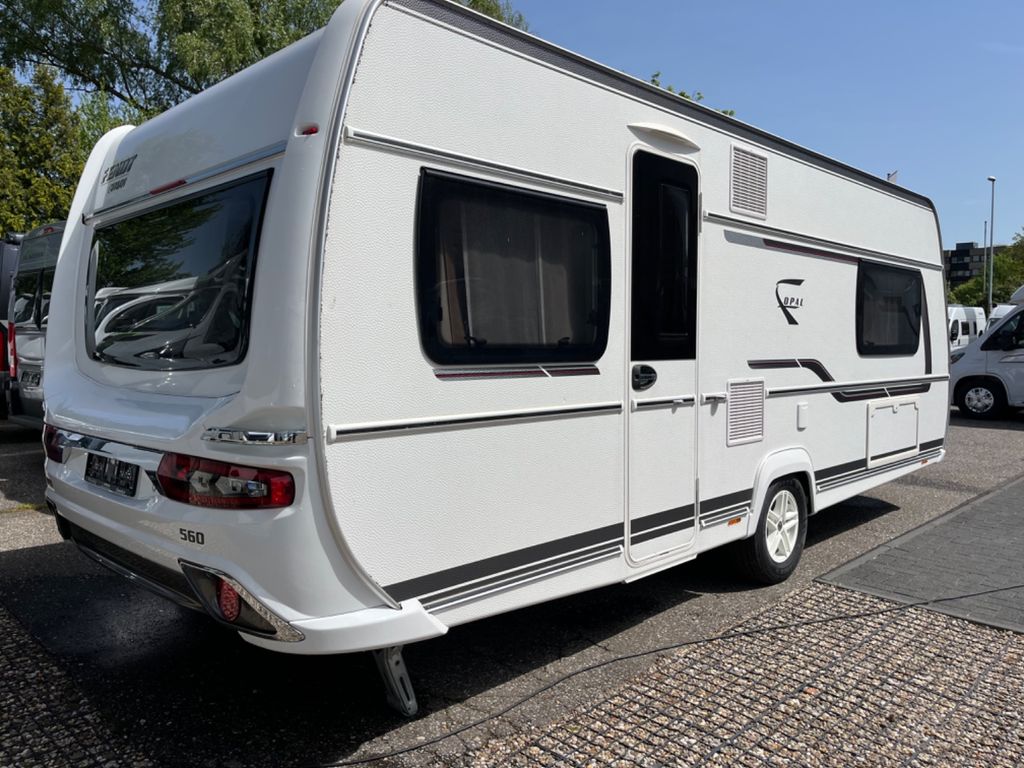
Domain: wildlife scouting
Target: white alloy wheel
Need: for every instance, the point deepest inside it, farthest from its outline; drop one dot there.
(979, 399)
(782, 527)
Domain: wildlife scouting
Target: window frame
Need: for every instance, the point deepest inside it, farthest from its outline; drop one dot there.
(432, 183)
(888, 350)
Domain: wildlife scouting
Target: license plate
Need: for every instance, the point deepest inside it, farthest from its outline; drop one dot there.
(112, 474)
(30, 379)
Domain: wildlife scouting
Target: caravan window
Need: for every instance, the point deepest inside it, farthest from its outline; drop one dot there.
(172, 286)
(889, 301)
(509, 276)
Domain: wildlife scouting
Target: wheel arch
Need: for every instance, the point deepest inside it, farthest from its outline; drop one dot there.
(988, 376)
(780, 464)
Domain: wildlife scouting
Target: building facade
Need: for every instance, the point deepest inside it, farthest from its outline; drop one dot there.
(965, 261)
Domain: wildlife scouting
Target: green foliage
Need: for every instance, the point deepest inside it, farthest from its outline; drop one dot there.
(501, 10)
(1008, 277)
(695, 96)
(40, 150)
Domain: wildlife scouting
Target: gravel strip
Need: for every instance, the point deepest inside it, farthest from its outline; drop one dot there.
(901, 688)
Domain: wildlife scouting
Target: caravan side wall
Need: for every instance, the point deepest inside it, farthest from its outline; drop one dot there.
(458, 512)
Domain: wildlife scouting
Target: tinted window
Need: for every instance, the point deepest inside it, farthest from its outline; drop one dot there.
(26, 285)
(1009, 336)
(664, 317)
(888, 310)
(172, 286)
(505, 275)
(44, 299)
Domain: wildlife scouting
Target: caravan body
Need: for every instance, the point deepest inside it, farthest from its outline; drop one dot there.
(454, 331)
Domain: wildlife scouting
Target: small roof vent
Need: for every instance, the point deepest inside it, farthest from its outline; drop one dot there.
(749, 183)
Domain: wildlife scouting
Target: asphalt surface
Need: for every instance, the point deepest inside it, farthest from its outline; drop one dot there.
(163, 685)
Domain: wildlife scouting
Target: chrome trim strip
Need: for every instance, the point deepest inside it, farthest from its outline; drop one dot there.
(836, 386)
(251, 437)
(721, 218)
(142, 581)
(831, 484)
(146, 458)
(379, 141)
(336, 433)
(229, 165)
(664, 402)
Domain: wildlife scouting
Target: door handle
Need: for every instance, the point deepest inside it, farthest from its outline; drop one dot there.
(643, 377)
(714, 397)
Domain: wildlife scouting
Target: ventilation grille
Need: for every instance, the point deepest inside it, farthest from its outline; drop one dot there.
(745, 421)
(749, 183)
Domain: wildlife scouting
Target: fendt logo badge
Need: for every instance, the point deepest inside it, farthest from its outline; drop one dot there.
(789, 300)
(117, 174)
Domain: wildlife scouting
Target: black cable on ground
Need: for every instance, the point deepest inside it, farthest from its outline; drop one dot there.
(650, 652)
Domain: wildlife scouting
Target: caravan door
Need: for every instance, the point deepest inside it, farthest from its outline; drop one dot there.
(662, 333)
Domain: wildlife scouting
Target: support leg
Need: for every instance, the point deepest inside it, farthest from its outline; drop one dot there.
(396, 680)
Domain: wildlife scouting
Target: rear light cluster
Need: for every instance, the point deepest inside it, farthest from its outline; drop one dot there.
(53, 442)
(209, 483)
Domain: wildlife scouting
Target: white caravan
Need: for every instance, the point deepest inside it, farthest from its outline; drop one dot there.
(464, 337)
(965, 324)
(988, 374)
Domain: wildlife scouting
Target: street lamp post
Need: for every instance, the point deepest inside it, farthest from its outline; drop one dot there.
(991, 243)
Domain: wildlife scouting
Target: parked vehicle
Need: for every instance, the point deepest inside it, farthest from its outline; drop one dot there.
(27, 317)
(999, 311)
(10, 248)
(456, 359)
(987, 375)
(965, 324)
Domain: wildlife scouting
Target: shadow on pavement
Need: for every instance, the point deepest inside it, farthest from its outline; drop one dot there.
(21, 468)
(1013, 420)
(184, 691)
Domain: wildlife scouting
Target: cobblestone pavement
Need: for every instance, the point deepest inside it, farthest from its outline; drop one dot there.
(894, 686)
(44, 719)
(971, 549)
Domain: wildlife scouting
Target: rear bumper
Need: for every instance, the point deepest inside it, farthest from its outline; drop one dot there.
(150, 560)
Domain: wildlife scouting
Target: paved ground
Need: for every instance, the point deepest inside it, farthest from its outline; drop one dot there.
(879, 685)
(971, 550)
(166, 685)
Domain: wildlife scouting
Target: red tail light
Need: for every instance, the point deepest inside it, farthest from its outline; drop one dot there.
(54, 444)
(209, 483)
(12, 352)
(228, 601)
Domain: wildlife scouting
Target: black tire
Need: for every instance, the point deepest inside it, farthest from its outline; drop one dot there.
(981, 399)
(758, 557)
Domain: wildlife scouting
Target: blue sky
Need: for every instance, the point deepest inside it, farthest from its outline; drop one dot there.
(931, 88)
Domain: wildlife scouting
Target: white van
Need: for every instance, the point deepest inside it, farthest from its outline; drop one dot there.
(965, 324)
(988, 375)
(463, 337)
(27, 316)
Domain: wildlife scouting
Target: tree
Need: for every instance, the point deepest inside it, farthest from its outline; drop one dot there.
(150, 56)
(695, 96)
(1008, 276)
(40, 151)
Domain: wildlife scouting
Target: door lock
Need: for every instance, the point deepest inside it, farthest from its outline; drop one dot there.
(643, 377)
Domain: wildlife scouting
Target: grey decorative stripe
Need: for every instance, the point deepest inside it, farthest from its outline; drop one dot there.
(524, 576)
(499, 566)
(897, 452)
(657, 533)
(863, 475)
(339, 432)
(739, 498)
